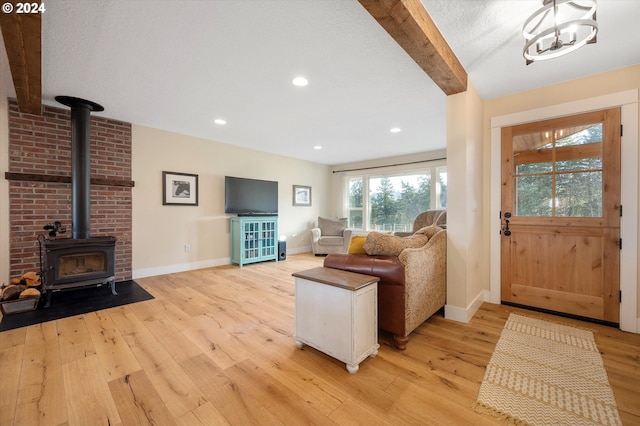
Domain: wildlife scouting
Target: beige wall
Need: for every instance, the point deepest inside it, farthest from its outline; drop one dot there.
(466, 263)
(469, 177)
(585, 88)
(4, 191)
(6, 91)
(588, 87)
(161, 232)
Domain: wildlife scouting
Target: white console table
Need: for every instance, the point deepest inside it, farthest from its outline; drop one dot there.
(337, 313)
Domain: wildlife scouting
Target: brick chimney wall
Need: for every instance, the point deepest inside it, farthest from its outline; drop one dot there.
(41, 145)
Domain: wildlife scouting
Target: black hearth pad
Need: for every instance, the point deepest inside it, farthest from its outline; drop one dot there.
(76, 302)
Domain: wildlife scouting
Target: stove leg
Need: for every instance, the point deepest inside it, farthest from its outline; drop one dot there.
(47, 299)
(112, 285)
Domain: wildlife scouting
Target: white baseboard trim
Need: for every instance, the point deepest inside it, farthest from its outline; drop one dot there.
(180, 267)
(464, 315)
(183, 267)
(299, 250)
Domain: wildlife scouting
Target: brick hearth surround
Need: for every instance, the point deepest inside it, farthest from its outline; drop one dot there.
(42, 145)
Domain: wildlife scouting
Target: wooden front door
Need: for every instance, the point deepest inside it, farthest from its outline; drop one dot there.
(561, 213)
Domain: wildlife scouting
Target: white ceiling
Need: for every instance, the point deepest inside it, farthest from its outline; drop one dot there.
(178, 65)
(486, 36)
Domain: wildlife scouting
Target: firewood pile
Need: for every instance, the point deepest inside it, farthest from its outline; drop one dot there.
(25, 288)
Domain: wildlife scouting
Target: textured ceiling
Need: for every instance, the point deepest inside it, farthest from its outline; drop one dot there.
(486, 36)
(178, 65)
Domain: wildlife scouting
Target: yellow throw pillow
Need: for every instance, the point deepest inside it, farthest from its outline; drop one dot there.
(356, 246)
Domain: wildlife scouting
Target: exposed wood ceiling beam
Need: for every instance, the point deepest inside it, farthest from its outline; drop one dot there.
(411, 27)
(22, 34)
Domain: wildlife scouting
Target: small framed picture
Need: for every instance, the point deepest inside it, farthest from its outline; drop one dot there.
(179, 189)
(301, 195)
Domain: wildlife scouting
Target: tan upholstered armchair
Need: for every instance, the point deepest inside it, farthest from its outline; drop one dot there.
(413, 282)
(428, 218)
(330, 236)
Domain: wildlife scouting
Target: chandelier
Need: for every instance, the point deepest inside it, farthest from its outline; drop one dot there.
(558, 28)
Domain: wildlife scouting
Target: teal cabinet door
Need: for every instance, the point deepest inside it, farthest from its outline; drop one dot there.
(254, 239)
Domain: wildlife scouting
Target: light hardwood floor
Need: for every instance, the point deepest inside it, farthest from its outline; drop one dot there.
(216, 346)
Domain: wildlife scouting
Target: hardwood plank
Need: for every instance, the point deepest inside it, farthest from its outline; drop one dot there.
(255, 312)
(275, 348)
(174, 293)
(138, 402)
(282, 402)
(439, 366)
(161, 309)
(88, 398)
(10, 360)
(227, 397)
(75, 340)
(351, 413)
(114, 354)
(153, 360)
(41, 395)
(11, 338)
(146, 349)
(368, 386)
(167, 328)
(444, 407)
(215, 342)
(204, 415)
(178, 391)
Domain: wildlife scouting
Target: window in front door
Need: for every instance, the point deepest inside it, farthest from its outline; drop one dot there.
(558, 172)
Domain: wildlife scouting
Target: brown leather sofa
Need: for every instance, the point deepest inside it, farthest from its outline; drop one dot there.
(412, 285)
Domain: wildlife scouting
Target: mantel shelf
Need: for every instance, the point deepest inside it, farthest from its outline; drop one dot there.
(29, 177)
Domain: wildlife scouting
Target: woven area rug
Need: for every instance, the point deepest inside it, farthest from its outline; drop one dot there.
(544, 373)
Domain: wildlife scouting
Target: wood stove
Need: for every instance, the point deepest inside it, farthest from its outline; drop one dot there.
(81, 260)
(72, 263)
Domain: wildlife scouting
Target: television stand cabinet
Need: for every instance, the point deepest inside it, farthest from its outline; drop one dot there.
(254, 239)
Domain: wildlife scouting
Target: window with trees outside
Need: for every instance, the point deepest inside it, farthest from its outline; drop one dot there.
(391, 201)
(559, 172)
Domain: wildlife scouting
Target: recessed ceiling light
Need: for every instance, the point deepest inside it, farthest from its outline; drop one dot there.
(395, 130)
(317, 147)
(220, 121)
(300, 81)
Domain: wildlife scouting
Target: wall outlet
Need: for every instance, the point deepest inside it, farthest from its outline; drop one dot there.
(187, 248)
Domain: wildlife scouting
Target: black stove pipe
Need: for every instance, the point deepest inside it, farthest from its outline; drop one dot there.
(80, 164)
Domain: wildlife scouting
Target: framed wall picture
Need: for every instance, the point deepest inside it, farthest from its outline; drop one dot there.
(179, 189)
(301, 195)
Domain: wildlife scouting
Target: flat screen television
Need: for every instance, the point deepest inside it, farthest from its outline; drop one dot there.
(250, 197)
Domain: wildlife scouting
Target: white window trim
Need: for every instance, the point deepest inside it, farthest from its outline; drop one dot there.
(433, 165)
